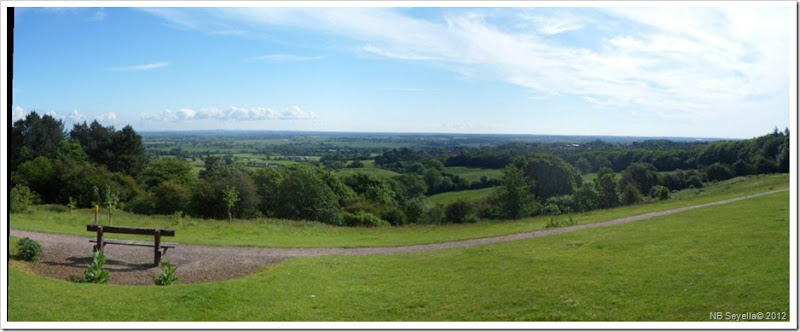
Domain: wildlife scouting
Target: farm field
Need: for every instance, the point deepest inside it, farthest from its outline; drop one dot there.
(474, 174)
(463, 195)
(285, 233)
(685, 265)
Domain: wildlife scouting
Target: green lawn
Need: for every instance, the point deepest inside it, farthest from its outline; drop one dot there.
(285, 233)
(464, 195)
(733, 257)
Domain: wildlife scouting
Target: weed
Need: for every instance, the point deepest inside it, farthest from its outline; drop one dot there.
(167, 276)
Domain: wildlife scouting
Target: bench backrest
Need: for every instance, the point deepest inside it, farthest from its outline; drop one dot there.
(130, 230)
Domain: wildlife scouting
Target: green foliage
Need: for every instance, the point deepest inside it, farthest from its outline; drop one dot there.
(304, 195)
(556, 222)
(167, 169)
(167, 276)
(659, 192)
(513, 197)
(29, 250)
(38, 174)
(121, 151)
(32, 137)
(72, 204)
(630, 194)
(362, 218)
(586, 197)
(583, 165)
(548, 175)
(565, 203)
(460, 211)
(551, 209)
(170, 196)
(95, 272)
(21, 197)
(230, 196)
(642, 175)
(720, 172)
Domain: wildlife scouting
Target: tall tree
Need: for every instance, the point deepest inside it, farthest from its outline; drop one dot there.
(513, 196)
(606, 183)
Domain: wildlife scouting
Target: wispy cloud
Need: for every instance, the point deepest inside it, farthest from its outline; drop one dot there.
(148, 66)
(669, 62)
(232, 113)
(287, 58)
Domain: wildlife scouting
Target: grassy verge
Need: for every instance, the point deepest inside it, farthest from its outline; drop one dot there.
(283, 233)
(680, 267)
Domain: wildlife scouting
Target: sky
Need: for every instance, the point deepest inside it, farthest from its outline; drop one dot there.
(642, 71)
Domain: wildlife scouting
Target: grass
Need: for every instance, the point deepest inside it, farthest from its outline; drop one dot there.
(464, 195)
(385, 173)
(733, 257)
(284, 233)
(474, 174)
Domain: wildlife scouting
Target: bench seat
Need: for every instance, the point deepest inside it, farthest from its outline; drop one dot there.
(136, 243)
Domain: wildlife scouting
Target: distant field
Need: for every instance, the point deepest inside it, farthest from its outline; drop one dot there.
(474, 174)
(367, 170)
(680, 267)
(464, 195)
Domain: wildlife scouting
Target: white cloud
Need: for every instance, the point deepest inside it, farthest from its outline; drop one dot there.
(106, 117)
(76, 116)
(232, 113)
(18, 113)
(692, 63)
(142, 67)
(98, 15)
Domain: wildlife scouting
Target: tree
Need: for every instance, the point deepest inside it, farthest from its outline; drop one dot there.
(121, 151)
(110, 201)
(513, 196)
(303, 195)
(34, 136)
(642, 175)
(586, 197)
(549, 175)
(583, 165)
(230, 196)
(606, 183)
(630, 194)
(168, 169)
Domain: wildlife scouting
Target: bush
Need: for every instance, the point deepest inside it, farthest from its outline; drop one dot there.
(29, 250)
(21, 198)
(630, 195)
(457, 211)
(95, 272)
(362, 218)
(551, 209)
(167, 276)
(659, 192)
(555, 222)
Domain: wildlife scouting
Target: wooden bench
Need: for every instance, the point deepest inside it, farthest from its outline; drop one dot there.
(159, 248)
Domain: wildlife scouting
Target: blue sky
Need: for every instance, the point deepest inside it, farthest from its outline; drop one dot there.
(696, 72)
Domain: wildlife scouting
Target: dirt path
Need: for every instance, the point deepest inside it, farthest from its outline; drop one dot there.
(66, 255)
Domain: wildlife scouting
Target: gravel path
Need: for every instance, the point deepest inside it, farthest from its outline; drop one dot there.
(66, 255)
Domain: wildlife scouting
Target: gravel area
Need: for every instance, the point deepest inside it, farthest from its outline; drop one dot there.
(66, 255)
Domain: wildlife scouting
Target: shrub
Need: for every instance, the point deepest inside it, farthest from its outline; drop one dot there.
(555, 222)
(630, 195)
(551, 209)
(659, 192)
(21, 198)
(457, 211)
(167, 276)
(29, 250)
(95, 272)
(362, 218)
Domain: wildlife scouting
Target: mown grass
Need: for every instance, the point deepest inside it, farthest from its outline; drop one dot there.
(285, 233)
(732, 257)
(463, 195)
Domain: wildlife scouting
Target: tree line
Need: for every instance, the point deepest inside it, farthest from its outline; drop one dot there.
(76, 167)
